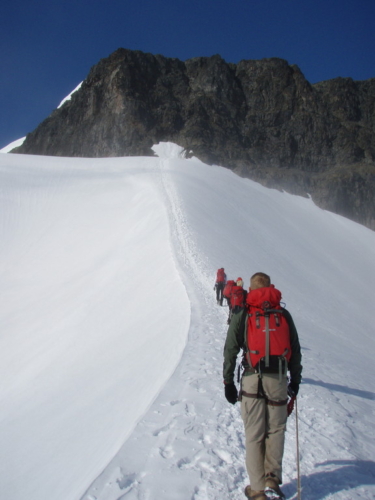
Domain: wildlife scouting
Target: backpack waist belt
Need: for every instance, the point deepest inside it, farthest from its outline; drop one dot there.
(262, 395)
(268, 401)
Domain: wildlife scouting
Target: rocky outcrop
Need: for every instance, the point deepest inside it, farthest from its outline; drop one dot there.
(262, 119)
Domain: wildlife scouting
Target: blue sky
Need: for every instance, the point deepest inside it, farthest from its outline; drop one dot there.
(48, 47)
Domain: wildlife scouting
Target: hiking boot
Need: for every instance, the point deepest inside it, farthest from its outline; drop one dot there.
(254, 495)
(272, 489)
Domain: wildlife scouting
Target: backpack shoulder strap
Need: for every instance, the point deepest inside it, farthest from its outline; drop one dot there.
(243, 326)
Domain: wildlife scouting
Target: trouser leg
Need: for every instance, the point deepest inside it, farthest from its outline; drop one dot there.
(264, 428)
(275, 390)
(253, 413)
(220, 288)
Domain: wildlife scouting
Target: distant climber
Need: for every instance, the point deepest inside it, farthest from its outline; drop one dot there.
(228, 291)
(235, 296)
(221, 279)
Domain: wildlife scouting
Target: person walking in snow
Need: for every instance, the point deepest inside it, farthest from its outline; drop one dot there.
(228, 290)
(239, 282)
(264, 385)
(237, 298)
(221, 279)
(227, 293)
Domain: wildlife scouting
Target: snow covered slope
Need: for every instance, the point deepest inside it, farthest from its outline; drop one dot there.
(13, 145)
(111, 340)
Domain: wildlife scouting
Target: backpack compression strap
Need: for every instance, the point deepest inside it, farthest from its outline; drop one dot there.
(266, 315)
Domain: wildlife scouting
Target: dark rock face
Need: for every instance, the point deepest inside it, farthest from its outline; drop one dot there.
(261, 119)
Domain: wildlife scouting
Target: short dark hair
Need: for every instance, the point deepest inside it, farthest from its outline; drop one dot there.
(259, 280)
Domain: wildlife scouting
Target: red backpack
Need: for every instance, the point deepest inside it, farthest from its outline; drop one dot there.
(267, 331)
(220, 276)
(237, 297)
(228, 289)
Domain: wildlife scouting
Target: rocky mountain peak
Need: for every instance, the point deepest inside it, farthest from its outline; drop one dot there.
(260, 118)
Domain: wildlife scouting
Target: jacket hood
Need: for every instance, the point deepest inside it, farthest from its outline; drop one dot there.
(264, 298)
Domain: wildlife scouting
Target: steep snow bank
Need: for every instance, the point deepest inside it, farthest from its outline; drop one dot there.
(94, 316)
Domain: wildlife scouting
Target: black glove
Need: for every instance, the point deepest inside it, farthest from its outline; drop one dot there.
(290, 405)
(293, 388)
(231, 393)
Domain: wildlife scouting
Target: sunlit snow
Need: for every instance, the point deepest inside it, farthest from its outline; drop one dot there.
(19, 142)
(13, 145)
(111, 340)
(69, 96)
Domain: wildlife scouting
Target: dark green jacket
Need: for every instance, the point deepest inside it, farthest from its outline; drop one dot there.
(236, 341)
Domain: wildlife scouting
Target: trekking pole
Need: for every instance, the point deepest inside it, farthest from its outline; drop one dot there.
(298, 469)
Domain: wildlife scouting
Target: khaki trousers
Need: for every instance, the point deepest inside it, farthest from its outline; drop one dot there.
(265, 427)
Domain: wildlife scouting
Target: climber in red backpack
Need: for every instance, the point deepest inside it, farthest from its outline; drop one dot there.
(239, 282)
(266, 333)
(228, 290)
(237, 298)
(221, 280)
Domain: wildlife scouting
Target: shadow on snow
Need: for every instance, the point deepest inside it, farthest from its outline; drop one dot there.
(341, 388)
(351, 474)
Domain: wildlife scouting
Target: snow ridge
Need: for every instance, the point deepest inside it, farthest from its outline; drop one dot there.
(155, 458)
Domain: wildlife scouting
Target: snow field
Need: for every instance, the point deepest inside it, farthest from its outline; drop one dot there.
(77, 233)
(206, 444)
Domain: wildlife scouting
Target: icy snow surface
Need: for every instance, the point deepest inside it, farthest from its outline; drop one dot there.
(19, 142)
(13, 145)
(68, 97)
(111, 340)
